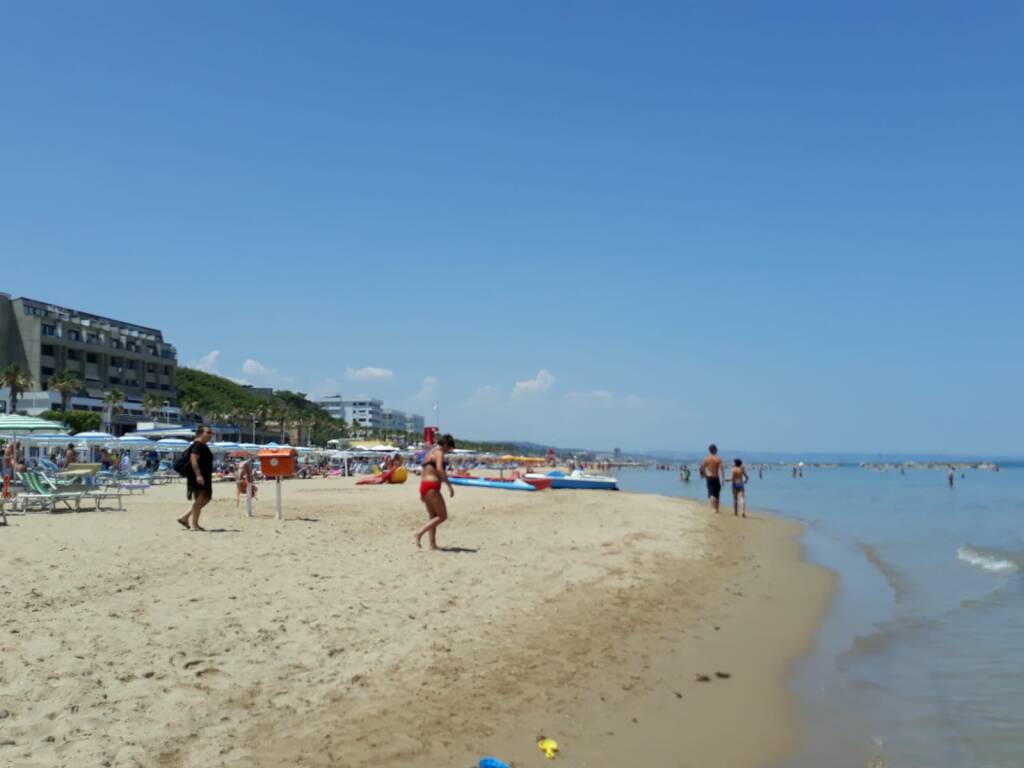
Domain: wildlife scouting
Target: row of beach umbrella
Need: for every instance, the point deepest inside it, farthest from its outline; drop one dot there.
(36, 431)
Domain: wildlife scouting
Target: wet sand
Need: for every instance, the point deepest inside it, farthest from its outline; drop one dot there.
(329, 640)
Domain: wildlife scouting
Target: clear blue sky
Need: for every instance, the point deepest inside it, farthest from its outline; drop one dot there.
(781, 226)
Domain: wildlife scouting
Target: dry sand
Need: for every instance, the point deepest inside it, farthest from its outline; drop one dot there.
(329, 640)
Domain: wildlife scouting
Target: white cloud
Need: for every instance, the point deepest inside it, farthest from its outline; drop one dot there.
(540, 383)
(429, 390)
(255, 368)
(369, 373)
(207, 362)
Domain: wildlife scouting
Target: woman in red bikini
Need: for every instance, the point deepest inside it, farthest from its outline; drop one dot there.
(430, 488)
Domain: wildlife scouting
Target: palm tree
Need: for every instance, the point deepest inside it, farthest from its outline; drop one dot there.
(17, 381)
(112, 400)
(191, 408)
(68, 384)
(152, 404)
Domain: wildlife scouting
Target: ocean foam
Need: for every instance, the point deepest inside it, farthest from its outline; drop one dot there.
(993, 562)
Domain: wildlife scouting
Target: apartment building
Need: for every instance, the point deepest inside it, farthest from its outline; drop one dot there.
(367, 414)
(400, 421)
(334, 405)
(105, 354)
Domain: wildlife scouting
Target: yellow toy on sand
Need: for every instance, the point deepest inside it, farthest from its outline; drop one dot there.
(398, 476)
(549, 747)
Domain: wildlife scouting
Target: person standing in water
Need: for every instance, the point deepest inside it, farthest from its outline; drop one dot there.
(739, 487)
(713, 472)
(430, 488)
(952, 475)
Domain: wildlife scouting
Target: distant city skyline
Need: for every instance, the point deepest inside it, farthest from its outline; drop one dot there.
(792, 229)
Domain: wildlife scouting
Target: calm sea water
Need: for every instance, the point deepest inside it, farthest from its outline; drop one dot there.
(920, 662)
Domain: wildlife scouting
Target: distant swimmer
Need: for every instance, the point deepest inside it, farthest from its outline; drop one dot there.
(739, 487)
(794, 470)
(713, 472)
(430, 488)
(760, 471)
(684, 474)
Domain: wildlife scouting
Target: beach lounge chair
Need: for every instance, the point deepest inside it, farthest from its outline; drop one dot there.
(38, 494)
(94, 493)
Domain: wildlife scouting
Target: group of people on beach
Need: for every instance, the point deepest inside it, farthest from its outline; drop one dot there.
(198, 470)
(712, 469)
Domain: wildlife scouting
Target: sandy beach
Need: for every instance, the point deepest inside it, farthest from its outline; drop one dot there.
(329, 640)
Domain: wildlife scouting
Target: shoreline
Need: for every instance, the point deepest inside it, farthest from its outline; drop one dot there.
(329, 641)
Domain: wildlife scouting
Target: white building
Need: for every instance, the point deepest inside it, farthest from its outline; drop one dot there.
(334, 405)
(367, 414)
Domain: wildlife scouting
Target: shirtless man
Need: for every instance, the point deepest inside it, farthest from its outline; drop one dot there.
(713, 472)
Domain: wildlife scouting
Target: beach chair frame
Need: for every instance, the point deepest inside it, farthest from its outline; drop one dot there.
(39, 494)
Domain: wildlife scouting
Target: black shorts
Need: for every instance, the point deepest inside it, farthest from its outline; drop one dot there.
(195, 490)
(714, 487)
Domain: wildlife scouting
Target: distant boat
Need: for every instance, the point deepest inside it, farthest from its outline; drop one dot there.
(577, 481)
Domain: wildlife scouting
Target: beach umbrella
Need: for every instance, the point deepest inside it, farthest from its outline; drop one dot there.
(271, 444)
(171, 444)
(134, 441)
(42, 438)
(11, 424)
(225, 446)
(94, 438)
(249, 447)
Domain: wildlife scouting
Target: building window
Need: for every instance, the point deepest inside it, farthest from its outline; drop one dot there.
(151, 350)
(46, 370)
(167, 370)
(90, 357)
(150, 368)
(72, 354)
(49, 330)
(165, 388)
(115, 380)
(92, 338)
(115, 343)
(47, 349)
(117, 362)
(74, 335)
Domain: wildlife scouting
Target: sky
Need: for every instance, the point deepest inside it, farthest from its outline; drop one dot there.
(779, 226)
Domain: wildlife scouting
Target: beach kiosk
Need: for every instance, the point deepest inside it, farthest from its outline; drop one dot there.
(278, 463)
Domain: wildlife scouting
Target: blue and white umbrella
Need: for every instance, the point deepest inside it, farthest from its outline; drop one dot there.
(48, 439)
(94, 438)
(171, 444)
(134, 442)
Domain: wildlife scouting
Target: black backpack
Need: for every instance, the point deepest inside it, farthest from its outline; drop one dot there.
(183, 464)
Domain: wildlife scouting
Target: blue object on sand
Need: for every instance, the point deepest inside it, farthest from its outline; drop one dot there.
(492, 762)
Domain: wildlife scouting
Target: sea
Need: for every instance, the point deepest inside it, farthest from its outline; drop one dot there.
(920, 660)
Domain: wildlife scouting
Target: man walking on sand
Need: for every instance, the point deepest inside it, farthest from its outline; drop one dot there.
(713, 472)
(199, 478)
